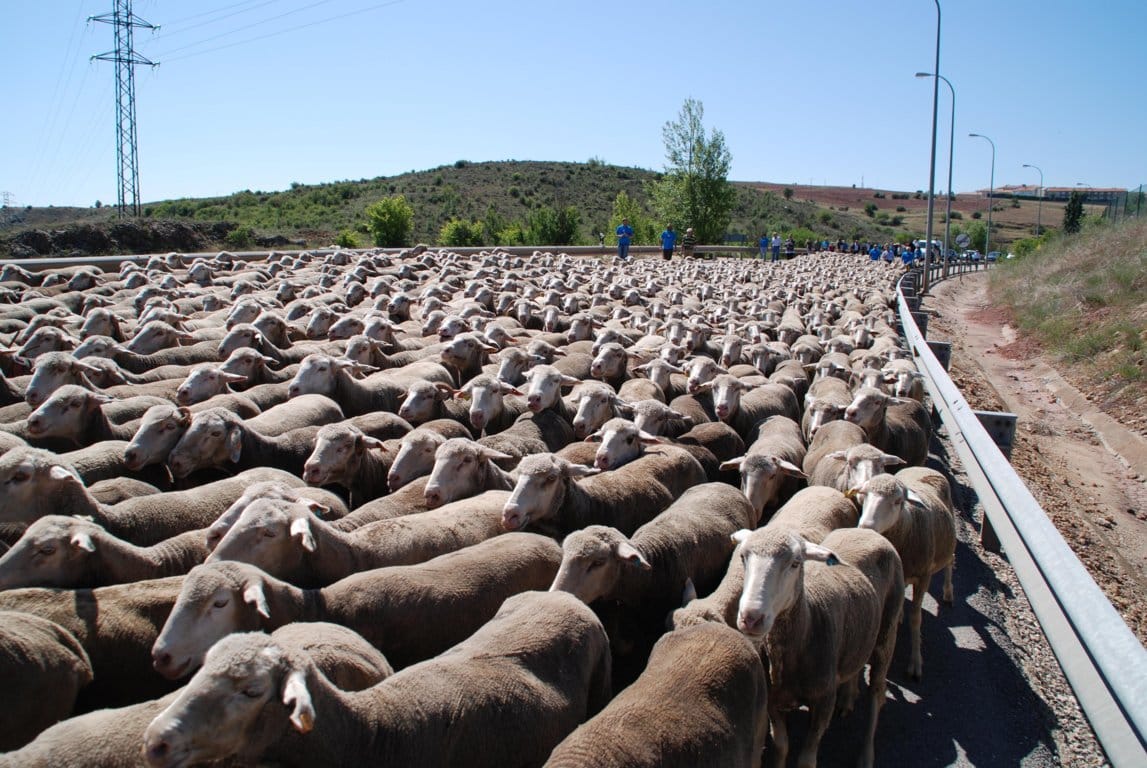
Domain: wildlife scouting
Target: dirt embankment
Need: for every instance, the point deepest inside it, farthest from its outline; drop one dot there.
(132, 236)
(1084, 466)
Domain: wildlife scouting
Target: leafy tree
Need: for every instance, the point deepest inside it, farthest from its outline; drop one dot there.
(391, 220)
(695, 191)
(459, 233)
(347, 239)
(645, 231)
(512, 234)
(788, 193)
(545, 226)
(1073, 213)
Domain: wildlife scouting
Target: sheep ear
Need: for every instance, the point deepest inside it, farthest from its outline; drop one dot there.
(741, 536)
(492, 455)
(689, 593)
(579, 470)
(301, 529)
(648, 439)
(820, 554)
(232, 378)
(60, 473)
(624, 408)
(444, 390)
(731, 464)
(254, 595)
(570, 381)
(629, 554)
(317, 508)
(373, 442)
(706, 387)
(296, 696)
(914, 498)
(841, 455)
(790, 469)
(891, 461)
(234, 444)
(462, 394)
(83, 541)
(183, 416)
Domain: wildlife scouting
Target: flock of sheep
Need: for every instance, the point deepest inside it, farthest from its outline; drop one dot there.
(425, 508)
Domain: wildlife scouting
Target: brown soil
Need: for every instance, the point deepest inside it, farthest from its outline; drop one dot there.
(1084, 466)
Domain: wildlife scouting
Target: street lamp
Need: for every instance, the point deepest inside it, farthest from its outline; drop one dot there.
(951, 144)
(991, 188)
(1039, 206)
(932, 162)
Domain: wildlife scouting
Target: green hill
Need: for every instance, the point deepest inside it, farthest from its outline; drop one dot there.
(504, 192)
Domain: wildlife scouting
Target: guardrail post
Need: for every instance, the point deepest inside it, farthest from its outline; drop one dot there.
(921, 319)
(1001, 427)
(943, 352)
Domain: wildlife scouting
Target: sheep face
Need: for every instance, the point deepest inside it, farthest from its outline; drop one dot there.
(701, 370)
(594, 408)
(245, 362)
(540, 489)
(593, 560)
(213, 438)
(727, 391)
(774, 576)
(154, 336)
(867, 409)
(216, 714)
(273, 535)
(422, 400)
(544, 387)
(159, 431)
(486, 399)
(658, 371)
(882, 503)
(45, 339)
(54, 370)
(337, 454)
(820, 412)
(205, 382)
(27, 476)
(761, 478)
(652, 416)
(65, 412)
(415, 458)
(239, 337)
(610, 362)
(215, 600)
(465, 352)
(731, 350)
(317, 375)
(621, 443)
(344, 328)
(53, 552)
(459, 466)
(513, 364)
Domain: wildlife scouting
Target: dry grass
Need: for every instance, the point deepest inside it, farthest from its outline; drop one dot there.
(1084, 298)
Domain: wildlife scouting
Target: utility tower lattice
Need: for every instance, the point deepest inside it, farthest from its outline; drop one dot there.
(125, 58)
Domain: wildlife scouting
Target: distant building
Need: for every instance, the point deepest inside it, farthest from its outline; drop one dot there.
(1090, 194)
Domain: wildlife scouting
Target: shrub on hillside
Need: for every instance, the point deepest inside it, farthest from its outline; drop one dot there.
(391, 221)
(240, 237)
(347, 239)
(458, 233)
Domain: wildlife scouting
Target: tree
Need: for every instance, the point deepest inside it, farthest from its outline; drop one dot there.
(390, 221)
(459, 233)
(695, 191)
(788, 193)
(545, 226)
(1073, 213)
(625, 207)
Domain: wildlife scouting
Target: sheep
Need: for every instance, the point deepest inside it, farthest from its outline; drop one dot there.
(827, 400)
(534, 432)
(713, 444)
(426, 401)
(743, 405)
(342, 454)
(325, 375)
(219, 438)
(117, 489)
(771, 467)
(113, 738)
(657, 418)
(913, 510)
(696, 409)
(812, 512)
(821, 612)
(307, 552)
(642, 575)
(895, 425)
(463, 467)
(416, 451)
(116, 626)
(833, 436)
(36, 484)
(700, 701)
(846, 470)
(480, 704)
(547, 495)
(409, 612)
(321, 502)
(490, 412)
(71, 552)
(43, 668)
(661, 372)
(622, 442)
(597, 402)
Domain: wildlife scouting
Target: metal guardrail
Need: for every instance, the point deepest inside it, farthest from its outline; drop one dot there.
(1103, 660)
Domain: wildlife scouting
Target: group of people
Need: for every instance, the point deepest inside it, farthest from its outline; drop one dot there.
(668, 241)
(773, 246)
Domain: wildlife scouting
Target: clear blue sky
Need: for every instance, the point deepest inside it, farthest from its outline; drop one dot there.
(816, 91)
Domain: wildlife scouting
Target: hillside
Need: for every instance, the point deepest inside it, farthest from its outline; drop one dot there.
(497, 193)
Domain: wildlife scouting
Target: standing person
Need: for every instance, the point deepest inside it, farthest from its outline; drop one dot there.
(668, 240)
(790, 245)
(687, 243)
(624, 235)
(763, 245)
(776, 246)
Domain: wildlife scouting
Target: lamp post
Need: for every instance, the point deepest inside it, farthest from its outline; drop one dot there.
(951, 144)
(932, 162)
(991, 188)
(1039, 206)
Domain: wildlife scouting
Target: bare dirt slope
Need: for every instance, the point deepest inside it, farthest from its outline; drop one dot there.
(1086, 469)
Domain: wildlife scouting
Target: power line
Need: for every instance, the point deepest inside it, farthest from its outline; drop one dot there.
(285, 31)
(165, 35)
(244, 28)
(126, 59)
(177, 22)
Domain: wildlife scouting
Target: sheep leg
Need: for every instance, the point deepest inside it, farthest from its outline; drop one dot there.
(915, 616)
(780, 734)
(948, 582)
(846, 694)
(820, 712)
(878, 665)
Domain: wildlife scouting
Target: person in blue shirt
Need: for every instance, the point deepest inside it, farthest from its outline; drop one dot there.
(764, 245)
(668, 240)
(624, 235)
